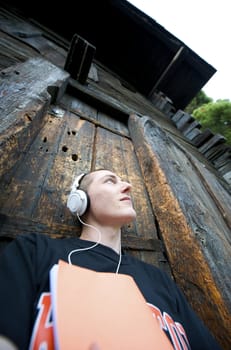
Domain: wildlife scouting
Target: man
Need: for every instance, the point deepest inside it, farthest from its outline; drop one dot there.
(101, 200)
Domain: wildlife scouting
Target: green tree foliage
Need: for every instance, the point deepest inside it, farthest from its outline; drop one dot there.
(200, 99)
(216, 116)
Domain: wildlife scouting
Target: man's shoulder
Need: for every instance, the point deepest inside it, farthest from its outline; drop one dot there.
(33, 239)
(38, 239)
(34, 236)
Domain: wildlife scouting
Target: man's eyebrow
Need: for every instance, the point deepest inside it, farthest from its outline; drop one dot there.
(110, 176)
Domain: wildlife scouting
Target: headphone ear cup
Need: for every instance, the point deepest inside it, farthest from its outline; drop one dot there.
(78, 202)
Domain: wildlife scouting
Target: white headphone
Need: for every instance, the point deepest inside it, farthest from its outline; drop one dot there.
(78, 200)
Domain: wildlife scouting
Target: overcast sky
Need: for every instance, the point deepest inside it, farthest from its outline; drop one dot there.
(205, 27)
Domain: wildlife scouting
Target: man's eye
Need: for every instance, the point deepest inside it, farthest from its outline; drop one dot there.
(110, 181)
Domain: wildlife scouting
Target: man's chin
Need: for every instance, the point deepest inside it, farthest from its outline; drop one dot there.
(131, 216)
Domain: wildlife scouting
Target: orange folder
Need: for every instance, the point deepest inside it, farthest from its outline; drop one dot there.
(104, 308)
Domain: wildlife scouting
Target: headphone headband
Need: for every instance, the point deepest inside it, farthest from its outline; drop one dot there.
(77, 181)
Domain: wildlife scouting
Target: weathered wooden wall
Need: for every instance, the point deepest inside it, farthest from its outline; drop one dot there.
(72, 137)
(184, 212)
(193, 211)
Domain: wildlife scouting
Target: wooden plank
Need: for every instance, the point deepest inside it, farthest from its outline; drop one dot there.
(188, 128)
(192, 216)
(119, 103)
(129, 241)
(75, 56)
(16, 26)
(86, 64)
(213, 141)
(202, 137)
(26, 84)
(112, 124)
(26, 99)
(74, 156)
(20, 196)
(97, 98)
(227, 176)
(11, 227)
(193, 134)
(40, 187)
(182, 120)
(145, 222)
(177, 116)
(79, 58)
(88, 112)
(220, 154)
(10, 53)
(78, 107)
(31, 39)
(225, 168)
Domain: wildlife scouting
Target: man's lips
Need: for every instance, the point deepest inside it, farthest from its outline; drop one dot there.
(127, 198)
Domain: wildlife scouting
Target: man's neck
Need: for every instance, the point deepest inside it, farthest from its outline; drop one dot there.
(111, 237)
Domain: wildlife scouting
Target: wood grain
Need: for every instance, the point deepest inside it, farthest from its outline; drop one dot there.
(194, 228)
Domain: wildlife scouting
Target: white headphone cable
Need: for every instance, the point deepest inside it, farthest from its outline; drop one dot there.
(120, 258)
(87, 248)
(92, 246)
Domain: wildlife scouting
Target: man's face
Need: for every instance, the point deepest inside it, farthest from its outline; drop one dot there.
(110, 201)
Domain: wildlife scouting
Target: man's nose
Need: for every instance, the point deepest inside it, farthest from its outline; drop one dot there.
(126, 186)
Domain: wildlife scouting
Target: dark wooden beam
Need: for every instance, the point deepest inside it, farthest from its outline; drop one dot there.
(79, 58)
(11, 227)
